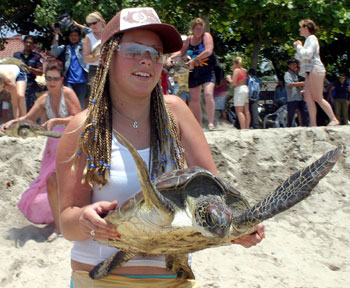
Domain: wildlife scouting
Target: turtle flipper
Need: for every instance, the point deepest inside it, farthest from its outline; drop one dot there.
(152, 197)
(296, 188)
(106, 267)
(178, 263)
(53, 134)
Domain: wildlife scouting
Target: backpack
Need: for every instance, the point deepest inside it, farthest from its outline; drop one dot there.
(254, 88)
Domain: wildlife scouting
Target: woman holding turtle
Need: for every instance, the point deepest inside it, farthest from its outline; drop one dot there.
(126, 97)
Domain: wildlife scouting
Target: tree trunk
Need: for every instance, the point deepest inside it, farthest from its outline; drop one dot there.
(255, 57)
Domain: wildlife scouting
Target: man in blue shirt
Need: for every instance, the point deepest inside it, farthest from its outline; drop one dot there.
(339, 93)
(75, 69)
(35, 63)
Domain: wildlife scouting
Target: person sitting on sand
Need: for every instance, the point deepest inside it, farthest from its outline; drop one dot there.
(39, 203)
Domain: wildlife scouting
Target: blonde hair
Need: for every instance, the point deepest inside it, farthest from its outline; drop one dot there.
(197, 21)
(311, 26)
(237, 60)
(96, 140)
(95, 16)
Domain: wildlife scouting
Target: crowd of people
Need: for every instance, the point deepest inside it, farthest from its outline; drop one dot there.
(120, 63)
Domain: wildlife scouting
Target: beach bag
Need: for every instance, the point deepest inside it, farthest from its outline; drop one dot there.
(254, 88)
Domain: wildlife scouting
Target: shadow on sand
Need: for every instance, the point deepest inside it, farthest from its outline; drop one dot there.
(31, 232)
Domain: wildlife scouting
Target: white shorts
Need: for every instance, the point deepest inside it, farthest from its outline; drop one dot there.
(240, 95)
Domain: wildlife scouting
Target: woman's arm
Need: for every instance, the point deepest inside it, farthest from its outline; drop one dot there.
(77, 215)
(37, 110)
(307, 51)
(87, 55)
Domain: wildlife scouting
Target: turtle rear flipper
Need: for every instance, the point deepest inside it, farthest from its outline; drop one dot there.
(178, 263)
(296, 188)
(106, 267)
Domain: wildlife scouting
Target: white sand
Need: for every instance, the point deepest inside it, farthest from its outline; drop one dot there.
(307, 246)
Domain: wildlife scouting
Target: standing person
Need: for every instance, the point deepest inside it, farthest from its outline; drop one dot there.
(200, 47)
(75, 69)
(295, 99)
(35, 63)
(313, 68)
(254, 84)
(14, 80)
(339, 93)
(39, 203)
(92, 43)
(126, 97)
(280, 94)
(238, 80)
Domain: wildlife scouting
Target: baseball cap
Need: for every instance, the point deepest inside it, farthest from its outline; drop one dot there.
(143, 18)
(290, 61)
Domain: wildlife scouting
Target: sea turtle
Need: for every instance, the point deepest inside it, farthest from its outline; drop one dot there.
(188, 210)
(27, 128)
(178, 66)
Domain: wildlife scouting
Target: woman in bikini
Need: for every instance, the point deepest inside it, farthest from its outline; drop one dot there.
(241, 93)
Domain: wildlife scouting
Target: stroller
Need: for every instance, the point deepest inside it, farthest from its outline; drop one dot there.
(277, 119)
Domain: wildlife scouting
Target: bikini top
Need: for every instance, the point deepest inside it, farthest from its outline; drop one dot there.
(62, 111)
(241, 76)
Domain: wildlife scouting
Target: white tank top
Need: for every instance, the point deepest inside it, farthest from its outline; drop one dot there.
(122, 185)
(94, 43)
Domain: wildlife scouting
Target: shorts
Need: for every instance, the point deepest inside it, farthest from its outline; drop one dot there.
(220, 103)
(240, 95)
(186, 96)
(22, 76)
(81, 279)
(200, 76)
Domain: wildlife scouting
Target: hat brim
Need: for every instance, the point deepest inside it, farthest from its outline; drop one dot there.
(167, 33)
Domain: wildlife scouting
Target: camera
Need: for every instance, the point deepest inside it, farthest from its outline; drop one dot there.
(64, 22)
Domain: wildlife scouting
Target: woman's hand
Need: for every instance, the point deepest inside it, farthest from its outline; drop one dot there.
(296, 43)
(49, 124)
(8, 123)
(92, 223)
(251, 239)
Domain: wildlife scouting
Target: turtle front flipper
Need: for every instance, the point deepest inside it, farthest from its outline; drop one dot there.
(296, 188)
(152, 197)
(178, 263)
(106, 267)
(53, 134)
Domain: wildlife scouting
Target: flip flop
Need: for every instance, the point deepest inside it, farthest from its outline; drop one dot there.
(211, 127)
(53, 236)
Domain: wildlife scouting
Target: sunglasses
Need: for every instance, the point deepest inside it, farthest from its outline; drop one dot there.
(198, 29)
(93, 23)
(48, 78)
(137, 51)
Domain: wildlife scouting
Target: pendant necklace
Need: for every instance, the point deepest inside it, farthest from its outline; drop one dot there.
(135, 123)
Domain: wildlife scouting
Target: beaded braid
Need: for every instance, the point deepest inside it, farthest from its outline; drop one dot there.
(96, 140)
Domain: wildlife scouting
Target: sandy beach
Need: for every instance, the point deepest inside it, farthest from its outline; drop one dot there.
(306, 246)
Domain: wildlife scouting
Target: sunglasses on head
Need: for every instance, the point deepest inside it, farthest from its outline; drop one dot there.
(48, 78)
(93, 23)
(137, 51)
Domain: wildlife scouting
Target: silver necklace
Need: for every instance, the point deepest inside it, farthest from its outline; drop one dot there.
(135, 123)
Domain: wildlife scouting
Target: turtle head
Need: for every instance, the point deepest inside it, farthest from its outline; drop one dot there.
(213, 218)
